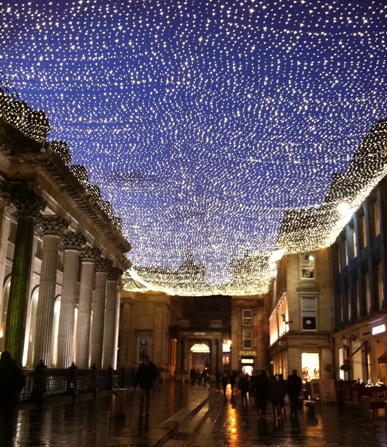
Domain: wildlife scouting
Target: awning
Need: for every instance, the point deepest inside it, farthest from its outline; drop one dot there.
(383, 358)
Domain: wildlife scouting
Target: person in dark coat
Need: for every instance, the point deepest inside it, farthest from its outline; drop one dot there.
(284, 390)
(294, 387)
(261, 391)
(244, 385)
(275, 395)
(145, 378)
(12, 381)
(224, 382)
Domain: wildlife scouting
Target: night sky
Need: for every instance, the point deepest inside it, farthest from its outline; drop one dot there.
(202, 121)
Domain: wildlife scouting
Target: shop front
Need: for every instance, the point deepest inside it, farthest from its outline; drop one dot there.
(361, 352)
(247, 360)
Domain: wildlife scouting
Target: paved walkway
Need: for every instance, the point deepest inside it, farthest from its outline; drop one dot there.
(185, 416)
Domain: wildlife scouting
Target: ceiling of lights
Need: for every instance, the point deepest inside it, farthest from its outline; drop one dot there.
(214, 128)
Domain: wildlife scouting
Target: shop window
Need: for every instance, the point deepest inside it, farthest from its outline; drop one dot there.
(308, 309)
(307, 264)
(247, 317)
(310, 366)
(247, 339)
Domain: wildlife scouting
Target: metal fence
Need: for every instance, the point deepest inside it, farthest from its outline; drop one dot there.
(43, 381)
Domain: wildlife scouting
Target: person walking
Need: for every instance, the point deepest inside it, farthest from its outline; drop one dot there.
(12, 381)
(145, 378)
(275, 395)
(294, 387)
(284, 389)
(261, 391)
(224, 382)
(244, 385)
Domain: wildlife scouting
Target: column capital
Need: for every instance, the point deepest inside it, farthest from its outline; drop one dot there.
(90, 254)
(27, 204)
(103, 265)
(74, 241)
(5, 199)
(53, 225)
(114, 273)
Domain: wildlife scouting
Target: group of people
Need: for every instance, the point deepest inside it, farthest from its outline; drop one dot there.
(262, 388)
(198, 377)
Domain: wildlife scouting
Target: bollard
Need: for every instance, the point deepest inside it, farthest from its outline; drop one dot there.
(365, 407)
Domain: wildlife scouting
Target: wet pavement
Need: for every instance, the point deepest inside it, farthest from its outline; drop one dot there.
(185, 416)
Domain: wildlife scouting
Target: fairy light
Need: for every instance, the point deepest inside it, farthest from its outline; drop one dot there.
(222, 134)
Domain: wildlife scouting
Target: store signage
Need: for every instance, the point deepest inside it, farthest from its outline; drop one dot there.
(379, 329)
(247, 361)
(247, 353)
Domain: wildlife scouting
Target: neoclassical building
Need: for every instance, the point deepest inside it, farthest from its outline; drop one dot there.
(62, 253)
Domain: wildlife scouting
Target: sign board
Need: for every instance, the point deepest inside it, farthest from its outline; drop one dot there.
(377, 395)
(327, 390)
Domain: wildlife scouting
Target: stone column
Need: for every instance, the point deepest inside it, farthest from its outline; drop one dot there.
(72, 244)
(89, 256)
(110, 325)
(220, 356)
(97, 326)
(28, 207)
(213, 356)
(53, 228)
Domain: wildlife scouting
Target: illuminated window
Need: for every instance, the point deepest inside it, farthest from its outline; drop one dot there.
(354, 242)
(362, 232)
(307, 264)
(247, 317)
(247, 339)
(375, 216)
(367, 292)
(142, 346)
(308, 309)
(379, 282)
(310, 366)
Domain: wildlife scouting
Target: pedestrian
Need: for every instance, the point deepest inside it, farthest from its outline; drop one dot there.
(233, 375)
(283, 385)
(224, 381)
(261, 391)
(275, 395)
(244, 385)
(12, 381)
(146, 375)
(294, 387)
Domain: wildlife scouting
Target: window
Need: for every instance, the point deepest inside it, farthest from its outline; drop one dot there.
(247, 339)
(367, 292)
(142, 346)
(362, 232)
(247, 317)
(375, 215)
(379, 283)
(354, 242)
(308, 310)
(307, 266)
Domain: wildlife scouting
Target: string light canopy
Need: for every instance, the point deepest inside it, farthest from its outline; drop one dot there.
(224, 134)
